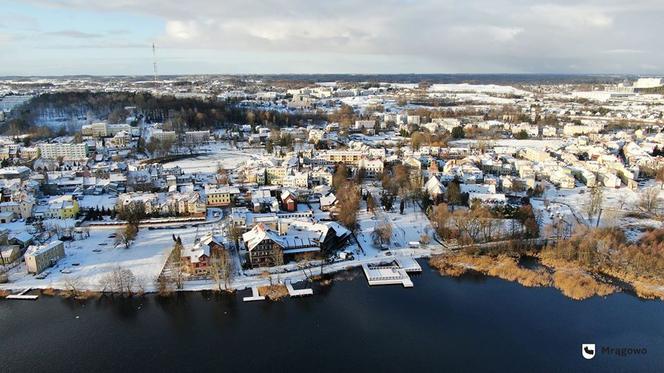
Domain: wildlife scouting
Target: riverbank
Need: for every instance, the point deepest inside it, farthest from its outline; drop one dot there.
(570, 278)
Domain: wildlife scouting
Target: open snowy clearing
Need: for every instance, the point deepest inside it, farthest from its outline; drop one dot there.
(88, 260)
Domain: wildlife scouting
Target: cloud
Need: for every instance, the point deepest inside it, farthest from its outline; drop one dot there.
(74, 34)
(181, 30)
(572, 17)
(624, 51)
(437, 35)
(5, 38)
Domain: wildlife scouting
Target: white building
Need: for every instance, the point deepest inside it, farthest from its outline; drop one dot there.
(38, 258)
(66, 151)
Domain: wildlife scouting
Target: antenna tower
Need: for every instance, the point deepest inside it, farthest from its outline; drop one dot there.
(154, 63)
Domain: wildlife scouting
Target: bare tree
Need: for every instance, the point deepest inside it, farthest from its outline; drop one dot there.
(119, 281)
(72, 285)
(595, 201)
(349, 204)
(126, 236)
(382, 233)
(165, 285)
(622, 200)
(235, 234)
(221, 269)
(176, 267)
(648, 199)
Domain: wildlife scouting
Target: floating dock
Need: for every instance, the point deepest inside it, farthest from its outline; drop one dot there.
(254, 295)
(409, 264)
(22, 295)
(297, 292)
(387, 274)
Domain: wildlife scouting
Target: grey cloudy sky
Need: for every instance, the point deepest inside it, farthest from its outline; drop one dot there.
(45, 37)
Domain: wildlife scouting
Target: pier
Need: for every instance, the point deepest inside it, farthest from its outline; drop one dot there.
(22, 295)
(409, 264)
(386, 274)
(254, 295)
(297, 292)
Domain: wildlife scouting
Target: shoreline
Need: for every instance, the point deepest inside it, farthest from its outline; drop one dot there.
(572, 280)
(310, 274)
(569, 278)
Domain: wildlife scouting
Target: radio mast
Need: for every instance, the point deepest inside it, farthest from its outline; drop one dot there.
(154, 63)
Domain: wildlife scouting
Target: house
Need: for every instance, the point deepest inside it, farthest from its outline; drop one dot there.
(22, 210)
(267, 247)
(8, 253)
(288, 201)
(327, 202)
(434, 188)
(6, 217)
(38, 258)
(19, 172)
(197, 258)
(264, 246)
(220, 195)
(372, 168)
(61, 207)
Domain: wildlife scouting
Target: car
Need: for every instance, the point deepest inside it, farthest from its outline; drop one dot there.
(42, 275)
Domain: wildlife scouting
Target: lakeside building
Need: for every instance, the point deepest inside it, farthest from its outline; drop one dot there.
(197, 258)
(38, 258)
(267, 247)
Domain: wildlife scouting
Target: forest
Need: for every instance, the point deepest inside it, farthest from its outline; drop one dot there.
(188, 113)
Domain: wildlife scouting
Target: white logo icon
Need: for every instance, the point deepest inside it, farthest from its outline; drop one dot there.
(588, 350)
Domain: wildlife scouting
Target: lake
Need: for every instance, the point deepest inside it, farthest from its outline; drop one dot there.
(442, 324)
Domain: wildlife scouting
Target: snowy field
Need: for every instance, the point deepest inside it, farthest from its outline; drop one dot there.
(406, 228)
(484, 88)
(618, 202)
(88, 260)
(228, 159)
(529, 143)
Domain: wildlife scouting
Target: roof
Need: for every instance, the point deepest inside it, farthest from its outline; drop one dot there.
(328, 200)
(200, 248)
(299, 235)
(36, 250)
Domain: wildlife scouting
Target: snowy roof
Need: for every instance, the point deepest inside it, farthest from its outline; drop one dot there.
(328, 200)
(434, 186)
(36, 250)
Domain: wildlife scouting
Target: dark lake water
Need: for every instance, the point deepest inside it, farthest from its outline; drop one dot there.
(442, 324)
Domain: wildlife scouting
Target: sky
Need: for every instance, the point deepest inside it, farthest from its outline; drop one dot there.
(115, 37)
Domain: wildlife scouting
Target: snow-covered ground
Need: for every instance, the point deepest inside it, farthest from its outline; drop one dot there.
(406, 228)
(527, 143)
(218, 154)
(484, 88)
(617, 204)
(88, 260)
(106, 201)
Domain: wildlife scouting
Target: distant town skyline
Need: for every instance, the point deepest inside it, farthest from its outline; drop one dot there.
(71, 37)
